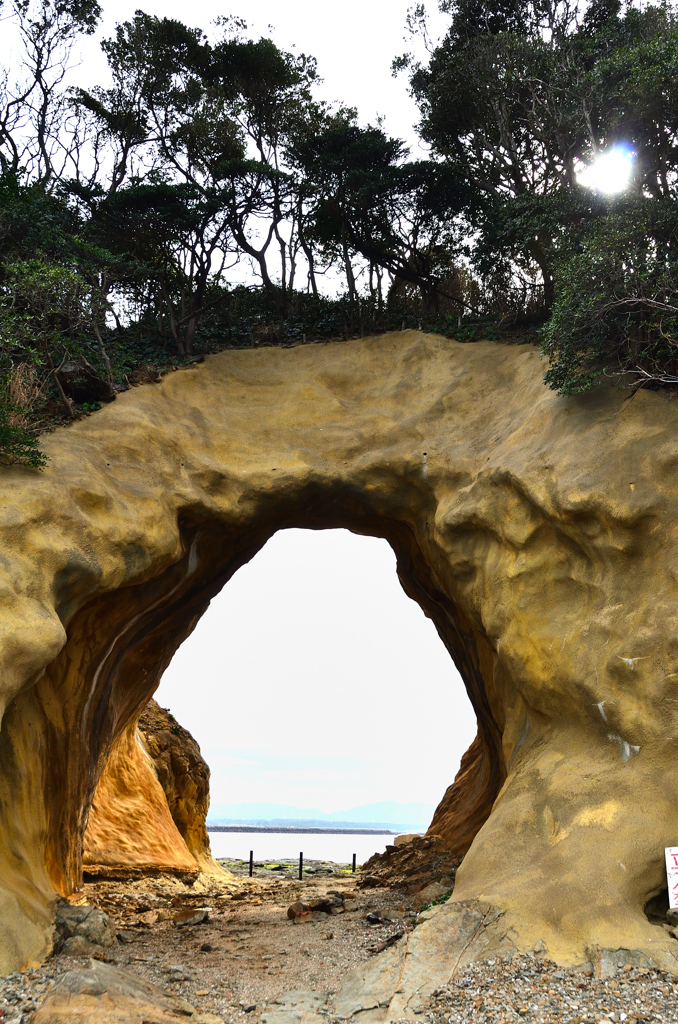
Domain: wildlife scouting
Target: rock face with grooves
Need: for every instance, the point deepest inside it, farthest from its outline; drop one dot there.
(149, 809)
(184, 777)
(539, 533)
(130, 831)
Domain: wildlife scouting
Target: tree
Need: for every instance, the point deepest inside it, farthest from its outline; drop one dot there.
(33, 107)
(616, 311)
(366, 199)
(213, 118)
(518, 96)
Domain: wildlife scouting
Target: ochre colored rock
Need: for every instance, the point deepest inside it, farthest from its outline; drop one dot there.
(539, 533)
(130, 831)
(185, 780)
(149, 809)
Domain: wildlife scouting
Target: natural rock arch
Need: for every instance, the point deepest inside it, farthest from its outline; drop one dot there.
(539, 533)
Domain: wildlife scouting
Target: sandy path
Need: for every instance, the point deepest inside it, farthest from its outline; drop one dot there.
(255, 952)
(248, 952)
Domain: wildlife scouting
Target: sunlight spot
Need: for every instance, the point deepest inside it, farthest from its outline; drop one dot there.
(610, 172)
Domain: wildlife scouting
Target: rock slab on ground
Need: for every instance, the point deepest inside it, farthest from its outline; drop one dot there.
(102, 994)
(300, 1006)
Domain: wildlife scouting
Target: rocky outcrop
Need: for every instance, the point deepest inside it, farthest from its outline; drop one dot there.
(413, 867)
(130, 831)
(149, 809)
(539, 533)
(184, 777)
(82, 930)
(460, 814)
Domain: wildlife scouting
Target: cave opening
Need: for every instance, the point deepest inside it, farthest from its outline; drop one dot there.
(314, 685)
(121, 643)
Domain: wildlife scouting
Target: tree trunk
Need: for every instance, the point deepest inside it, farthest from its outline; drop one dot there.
(350, 279)
(173, 322)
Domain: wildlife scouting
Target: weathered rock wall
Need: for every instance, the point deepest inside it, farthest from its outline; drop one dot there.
(150, 805)
(130, 831)
(539, 533)
(185, 779)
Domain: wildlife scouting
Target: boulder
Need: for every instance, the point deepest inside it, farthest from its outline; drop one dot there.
(435, 891)
(82, 383)
(321, 906)
(79, 926)
(78, 945)
(149, 809)
(405, 839)
(183, 918)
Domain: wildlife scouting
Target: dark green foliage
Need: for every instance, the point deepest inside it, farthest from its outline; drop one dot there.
(616, 310)
(18, 446)
(400, 216)
(515, 99)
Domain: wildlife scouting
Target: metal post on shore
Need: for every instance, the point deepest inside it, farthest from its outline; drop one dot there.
(353, 868)
(301, 865)
(251, 862)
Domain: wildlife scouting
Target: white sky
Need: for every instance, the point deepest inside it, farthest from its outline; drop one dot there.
(354, 43)
(313, 680)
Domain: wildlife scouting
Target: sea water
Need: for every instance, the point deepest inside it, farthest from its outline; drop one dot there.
(270, 846)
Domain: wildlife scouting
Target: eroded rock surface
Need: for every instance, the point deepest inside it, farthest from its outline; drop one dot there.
(539, 533)
(150, 806)
(130, 831)
(184, 776)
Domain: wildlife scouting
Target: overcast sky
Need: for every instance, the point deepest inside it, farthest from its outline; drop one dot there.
(313, 680)
(353, 41)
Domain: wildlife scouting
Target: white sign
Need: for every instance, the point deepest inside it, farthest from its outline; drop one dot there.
(671, 853)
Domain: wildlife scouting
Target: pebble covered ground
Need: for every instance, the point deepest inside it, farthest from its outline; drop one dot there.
(531, 989)
(248, 952)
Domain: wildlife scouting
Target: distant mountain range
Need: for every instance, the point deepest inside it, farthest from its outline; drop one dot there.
(386, 814)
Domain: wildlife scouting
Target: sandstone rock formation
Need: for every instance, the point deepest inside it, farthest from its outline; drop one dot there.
(102, 994)
(130, 831)
(184, 777)
(539, 533)
(149, 809)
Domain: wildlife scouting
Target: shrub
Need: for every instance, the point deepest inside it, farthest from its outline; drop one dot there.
(616, 310)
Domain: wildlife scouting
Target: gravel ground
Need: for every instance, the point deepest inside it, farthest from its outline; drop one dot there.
(249, 952)
(535, 990)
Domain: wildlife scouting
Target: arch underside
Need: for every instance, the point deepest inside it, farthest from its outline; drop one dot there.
(120, 644)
